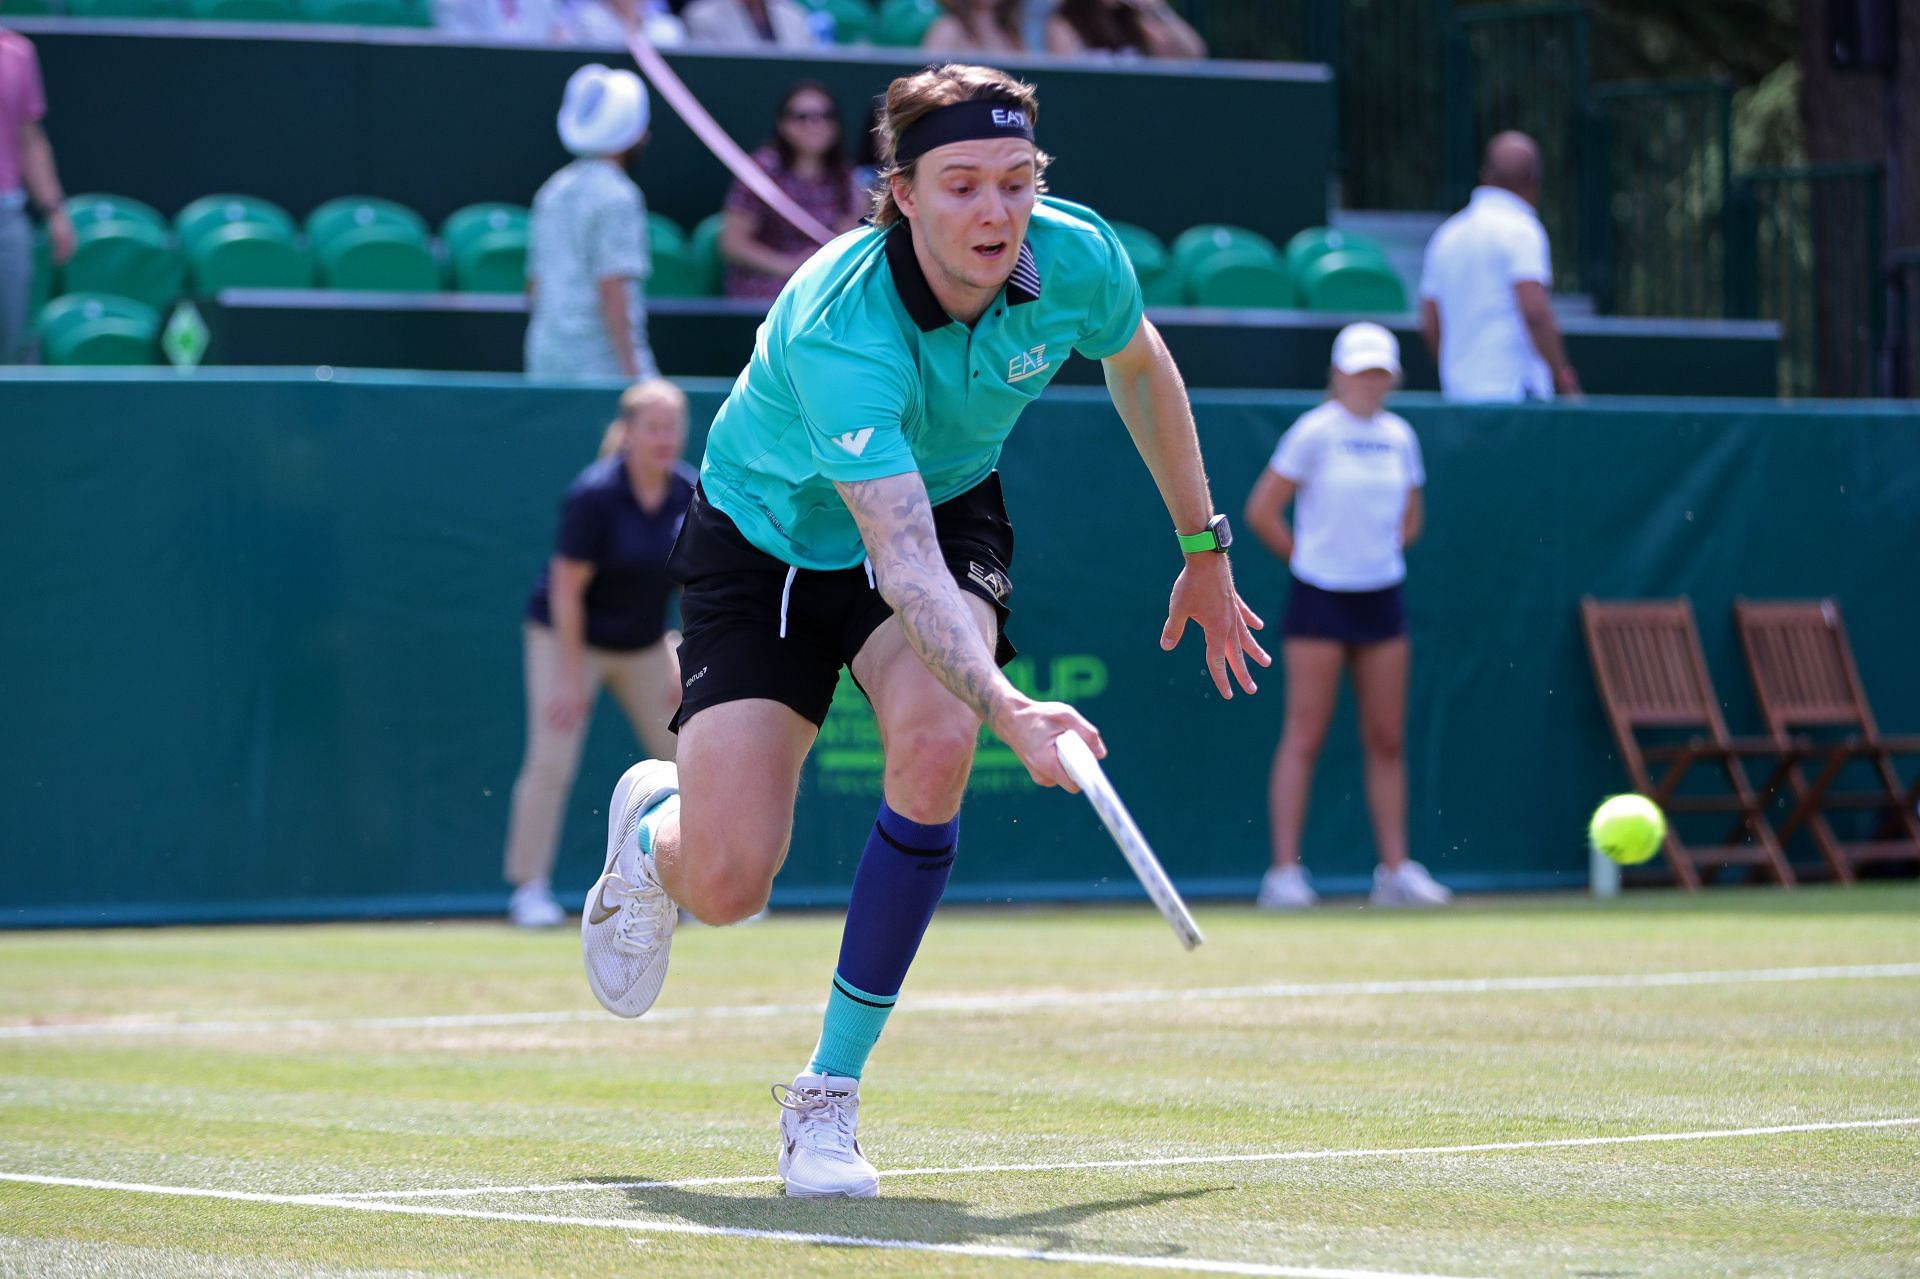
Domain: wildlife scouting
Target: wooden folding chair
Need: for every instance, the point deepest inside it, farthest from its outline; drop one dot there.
(1652, 676)
(1805, 678)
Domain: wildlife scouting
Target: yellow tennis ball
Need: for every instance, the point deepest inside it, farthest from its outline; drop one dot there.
(1628, 829)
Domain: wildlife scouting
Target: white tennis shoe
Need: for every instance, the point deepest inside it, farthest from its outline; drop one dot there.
(626, 926)
(1286, 888)
(819, 1149)
(1407, 885)
(532, 906)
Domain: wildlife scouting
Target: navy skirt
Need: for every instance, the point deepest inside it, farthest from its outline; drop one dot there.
(1348, 617)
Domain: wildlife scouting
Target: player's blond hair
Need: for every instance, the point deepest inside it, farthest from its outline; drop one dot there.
(640, 396)
(913, 96)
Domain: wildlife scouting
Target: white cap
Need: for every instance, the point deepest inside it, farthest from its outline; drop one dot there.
(1366, 345)
(603, 112)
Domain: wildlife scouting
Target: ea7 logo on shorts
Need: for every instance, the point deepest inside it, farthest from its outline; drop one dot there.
(855, 442)
(991, 580)
(1027, 363)
(1006, 119)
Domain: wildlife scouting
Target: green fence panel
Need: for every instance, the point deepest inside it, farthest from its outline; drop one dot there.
(1658, 176)
(264, 659)
(1523, 67)
(1807, 252)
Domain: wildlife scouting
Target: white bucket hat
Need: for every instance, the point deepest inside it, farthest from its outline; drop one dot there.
(603, 111)
(1365, 345)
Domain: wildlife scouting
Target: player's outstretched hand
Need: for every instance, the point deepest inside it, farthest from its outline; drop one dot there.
(1204, 593)
(1030, 729)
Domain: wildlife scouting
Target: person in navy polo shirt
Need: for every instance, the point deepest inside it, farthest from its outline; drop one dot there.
(598, 615)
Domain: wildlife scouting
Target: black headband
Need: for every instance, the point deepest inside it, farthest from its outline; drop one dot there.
(962, 122)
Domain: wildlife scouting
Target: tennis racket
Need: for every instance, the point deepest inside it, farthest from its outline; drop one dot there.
(1077, 758)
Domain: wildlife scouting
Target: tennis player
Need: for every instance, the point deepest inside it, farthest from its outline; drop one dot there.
(849, 514)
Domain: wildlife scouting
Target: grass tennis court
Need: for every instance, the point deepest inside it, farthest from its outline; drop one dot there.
(1305, 1107)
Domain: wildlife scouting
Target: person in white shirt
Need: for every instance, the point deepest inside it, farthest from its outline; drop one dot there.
(1353, 473)
(1484, 309)
(587, 251)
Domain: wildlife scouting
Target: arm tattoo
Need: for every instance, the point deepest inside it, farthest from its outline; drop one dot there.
(896, 522)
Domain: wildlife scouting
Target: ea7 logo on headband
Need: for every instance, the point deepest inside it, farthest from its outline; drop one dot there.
(1006, 118)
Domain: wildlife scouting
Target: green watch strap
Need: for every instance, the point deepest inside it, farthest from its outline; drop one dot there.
(1194, 543)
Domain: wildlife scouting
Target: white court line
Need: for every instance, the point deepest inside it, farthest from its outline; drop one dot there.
(999, 1003)
(1169, 1161)
(637, 1226)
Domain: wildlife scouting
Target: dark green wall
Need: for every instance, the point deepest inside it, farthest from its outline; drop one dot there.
(707, 337)
(170, 118)
(261, 652)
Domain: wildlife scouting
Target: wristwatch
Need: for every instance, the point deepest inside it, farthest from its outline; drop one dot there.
(1217, 536)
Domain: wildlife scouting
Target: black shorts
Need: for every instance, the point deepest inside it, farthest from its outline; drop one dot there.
(755, 627)
(1350, 617)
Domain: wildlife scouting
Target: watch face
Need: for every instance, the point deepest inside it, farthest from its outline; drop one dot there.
(1222, 531)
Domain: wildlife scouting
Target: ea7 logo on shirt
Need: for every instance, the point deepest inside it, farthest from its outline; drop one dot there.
(1027, 363)
(1006, 119)
(855, 442)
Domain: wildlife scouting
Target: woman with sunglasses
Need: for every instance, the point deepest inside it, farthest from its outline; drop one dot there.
(807, 160)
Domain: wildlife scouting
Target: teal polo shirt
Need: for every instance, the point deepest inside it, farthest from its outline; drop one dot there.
(858, 373)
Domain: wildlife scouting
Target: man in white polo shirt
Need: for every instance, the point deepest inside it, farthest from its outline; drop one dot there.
(1484, 310)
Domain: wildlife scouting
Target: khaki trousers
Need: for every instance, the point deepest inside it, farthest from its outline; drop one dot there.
(645, 682)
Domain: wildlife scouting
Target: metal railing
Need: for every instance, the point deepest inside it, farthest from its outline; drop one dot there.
(1805, 249)
(1659, 161)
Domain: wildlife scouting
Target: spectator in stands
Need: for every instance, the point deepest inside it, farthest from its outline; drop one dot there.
(976, 26)
(598, 615)
(587, 251)
(1484, 309)
(1354, 474)
(778, 22)
(1124, 28)
(612, 21)
(806, 159)
(27, 172)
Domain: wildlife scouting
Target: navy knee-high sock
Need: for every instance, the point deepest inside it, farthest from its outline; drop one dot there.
(901, 876)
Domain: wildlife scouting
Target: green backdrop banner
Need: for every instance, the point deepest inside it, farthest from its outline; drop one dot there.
(261, 652)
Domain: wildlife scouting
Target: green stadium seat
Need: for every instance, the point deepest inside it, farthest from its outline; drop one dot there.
(242, 10)
(378, 258)
(1317, 241)
(357, 212)
(1150, 262)
(1240, 277)
(94, 207)
(902, 24)
(1195, 244)
(492, 262)
(122, 8)
(131, 259)
(211, 212)
(1347, 280)
(367, 13)
(704, 246)
(475, 220)
(487, 245)
(675, 273)
(98, 329)
(248, 255)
